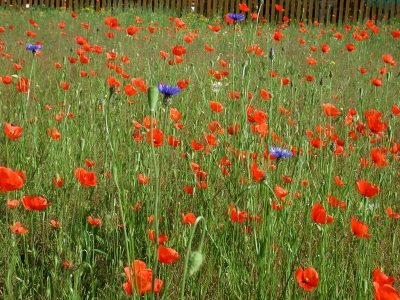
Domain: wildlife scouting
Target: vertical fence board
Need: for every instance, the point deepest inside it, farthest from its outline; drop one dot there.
(298, 12)
(208, 9)
(373, 10)
(214, 8)
(398, 12)
(322, 11)
(287, 9)
(340, 11)
(266, 11)
(354, 13)
(226, 7)
(280, 13)
(360, 17)
(379, 15)
(367, 10)
(220, 7)
(273, 20)
(392, 12)
(201, 7)
(340, 19)
(310, 16)
(386, 12)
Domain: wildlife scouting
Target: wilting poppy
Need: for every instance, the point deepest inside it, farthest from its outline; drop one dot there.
(95, 222)
(359, 228)
(85, 178)
(143, 179)
(308, 278)
(167, 255)
(34, 203)
(18, 229)
(54, 134)
(366, 188)
(319, 215)
(391, 214)
(12, 203)
(162, 238)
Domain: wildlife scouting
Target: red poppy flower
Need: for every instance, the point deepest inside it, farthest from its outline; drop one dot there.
(311, 61)
(256, 173)
(319, 215)
(387, 58)
(188, 190)
(330, 110)
(189, 218)
(178, 50)
(111, 22)
(174, 142)
(385, 292)
(162, 238)
(381, 278)
(376, 81)
(34, 203)
(140, 83)
(143, 179)
(94, 222)
(55, 224)
(366, 188)
(10, 180)
(277, 36)
(85, 178)
(216, 106)
(333, 201)
(285, 81)
(142, 279)
(391, 214)
(359, 228)
(350, 47)
(196, 145)
(234, 129)
(59, 182)
(265, 95)
(167, 255)
(362, 70)
(280, 192)
(158, 137)
(12, 203)
(243, 7)
(132, 30)
(378, 156)
(309, 78)
(308, 278)
(338, 35)
(174, 114)
(13, 132)
(18, 229)
(279, 8)
(237, 215)
(54, 134)
(208, 48)
(374, 121)
(325, 48)
(6, 79)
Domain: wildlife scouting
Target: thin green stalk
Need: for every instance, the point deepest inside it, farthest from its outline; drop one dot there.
(156, 180)
(188, 252)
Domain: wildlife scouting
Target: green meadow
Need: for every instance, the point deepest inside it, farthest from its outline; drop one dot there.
(146, 155)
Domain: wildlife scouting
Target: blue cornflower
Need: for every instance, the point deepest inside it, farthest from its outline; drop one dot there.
(168, 91)
(33, 48)
(280, 153)
(236, 17)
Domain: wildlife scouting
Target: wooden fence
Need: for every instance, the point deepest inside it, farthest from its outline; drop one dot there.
(307, 11)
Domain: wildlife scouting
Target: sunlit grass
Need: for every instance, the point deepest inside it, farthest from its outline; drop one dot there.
(236, 179)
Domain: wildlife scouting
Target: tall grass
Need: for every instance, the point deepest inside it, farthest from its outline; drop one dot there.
(253, 259)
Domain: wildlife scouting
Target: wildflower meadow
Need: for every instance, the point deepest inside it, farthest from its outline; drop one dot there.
(146, 155)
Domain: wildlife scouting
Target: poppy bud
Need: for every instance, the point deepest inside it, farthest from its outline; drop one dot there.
(195, 262)
(152, 94)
